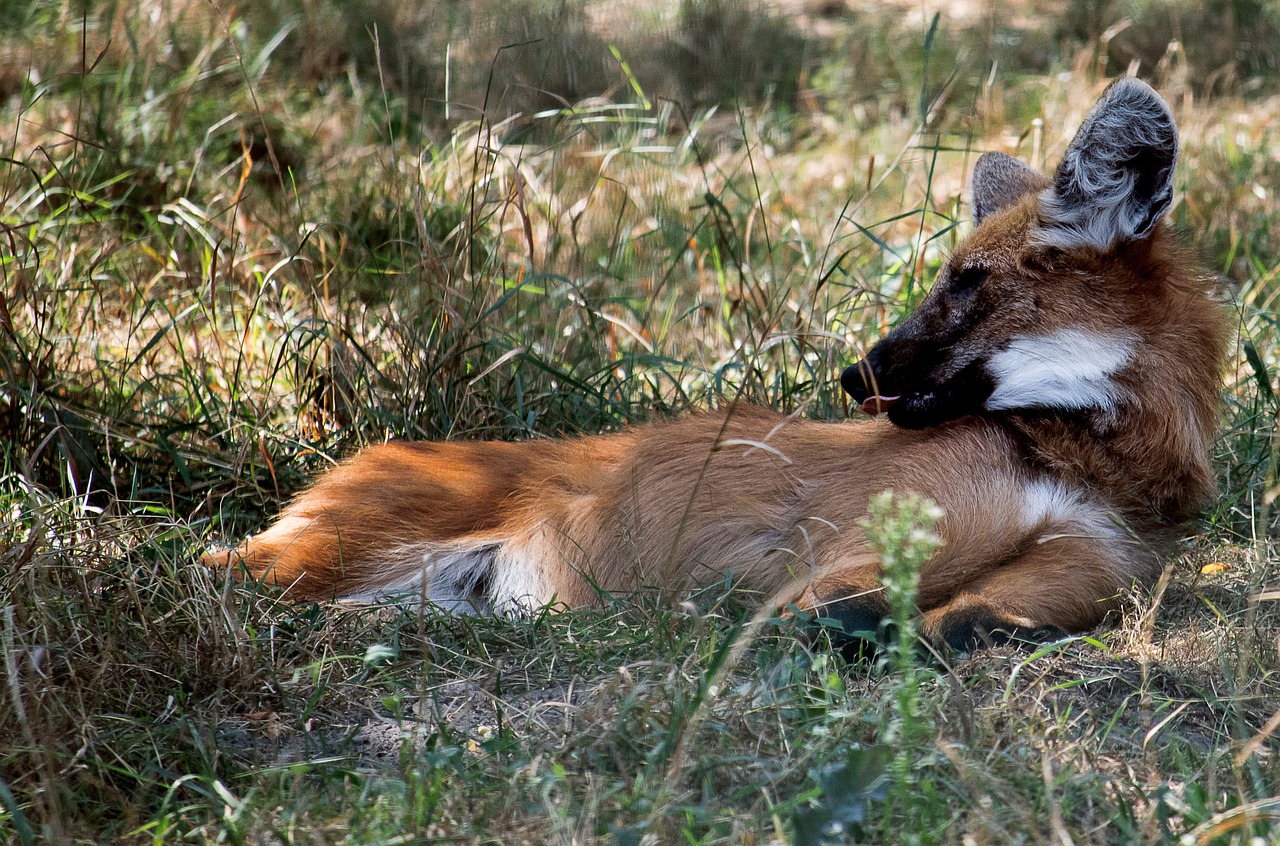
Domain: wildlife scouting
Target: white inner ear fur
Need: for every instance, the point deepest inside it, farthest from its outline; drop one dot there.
(1068, 369)
(1116, 179)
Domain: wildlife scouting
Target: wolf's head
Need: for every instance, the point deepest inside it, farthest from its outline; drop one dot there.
(1048, 303)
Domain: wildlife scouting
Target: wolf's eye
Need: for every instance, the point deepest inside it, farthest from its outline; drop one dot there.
(968, 279)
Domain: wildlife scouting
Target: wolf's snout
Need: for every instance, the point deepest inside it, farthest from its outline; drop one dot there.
(859, 381)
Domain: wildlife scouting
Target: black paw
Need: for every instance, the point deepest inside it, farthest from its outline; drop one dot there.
(857, 628)
(981, 628)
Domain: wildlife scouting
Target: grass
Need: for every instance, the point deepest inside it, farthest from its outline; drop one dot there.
(237, 244)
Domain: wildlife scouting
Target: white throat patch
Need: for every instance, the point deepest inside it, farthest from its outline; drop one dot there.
(1068, 369)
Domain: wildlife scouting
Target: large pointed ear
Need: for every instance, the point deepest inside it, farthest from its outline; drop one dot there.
(1116, 180)
(999, 181)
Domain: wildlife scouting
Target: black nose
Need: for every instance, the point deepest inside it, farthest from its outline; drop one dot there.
(856, 380)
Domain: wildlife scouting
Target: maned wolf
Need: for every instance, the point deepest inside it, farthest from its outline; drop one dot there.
(1055, 393)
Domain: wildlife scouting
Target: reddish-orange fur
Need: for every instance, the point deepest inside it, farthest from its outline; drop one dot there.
(1051, 519)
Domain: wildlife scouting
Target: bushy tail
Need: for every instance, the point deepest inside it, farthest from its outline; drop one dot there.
(401, 513)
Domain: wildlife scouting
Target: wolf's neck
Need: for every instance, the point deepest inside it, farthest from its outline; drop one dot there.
(1153, 465)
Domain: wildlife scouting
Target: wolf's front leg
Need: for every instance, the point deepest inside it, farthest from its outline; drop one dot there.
(1065, 577)
(1062, 584)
